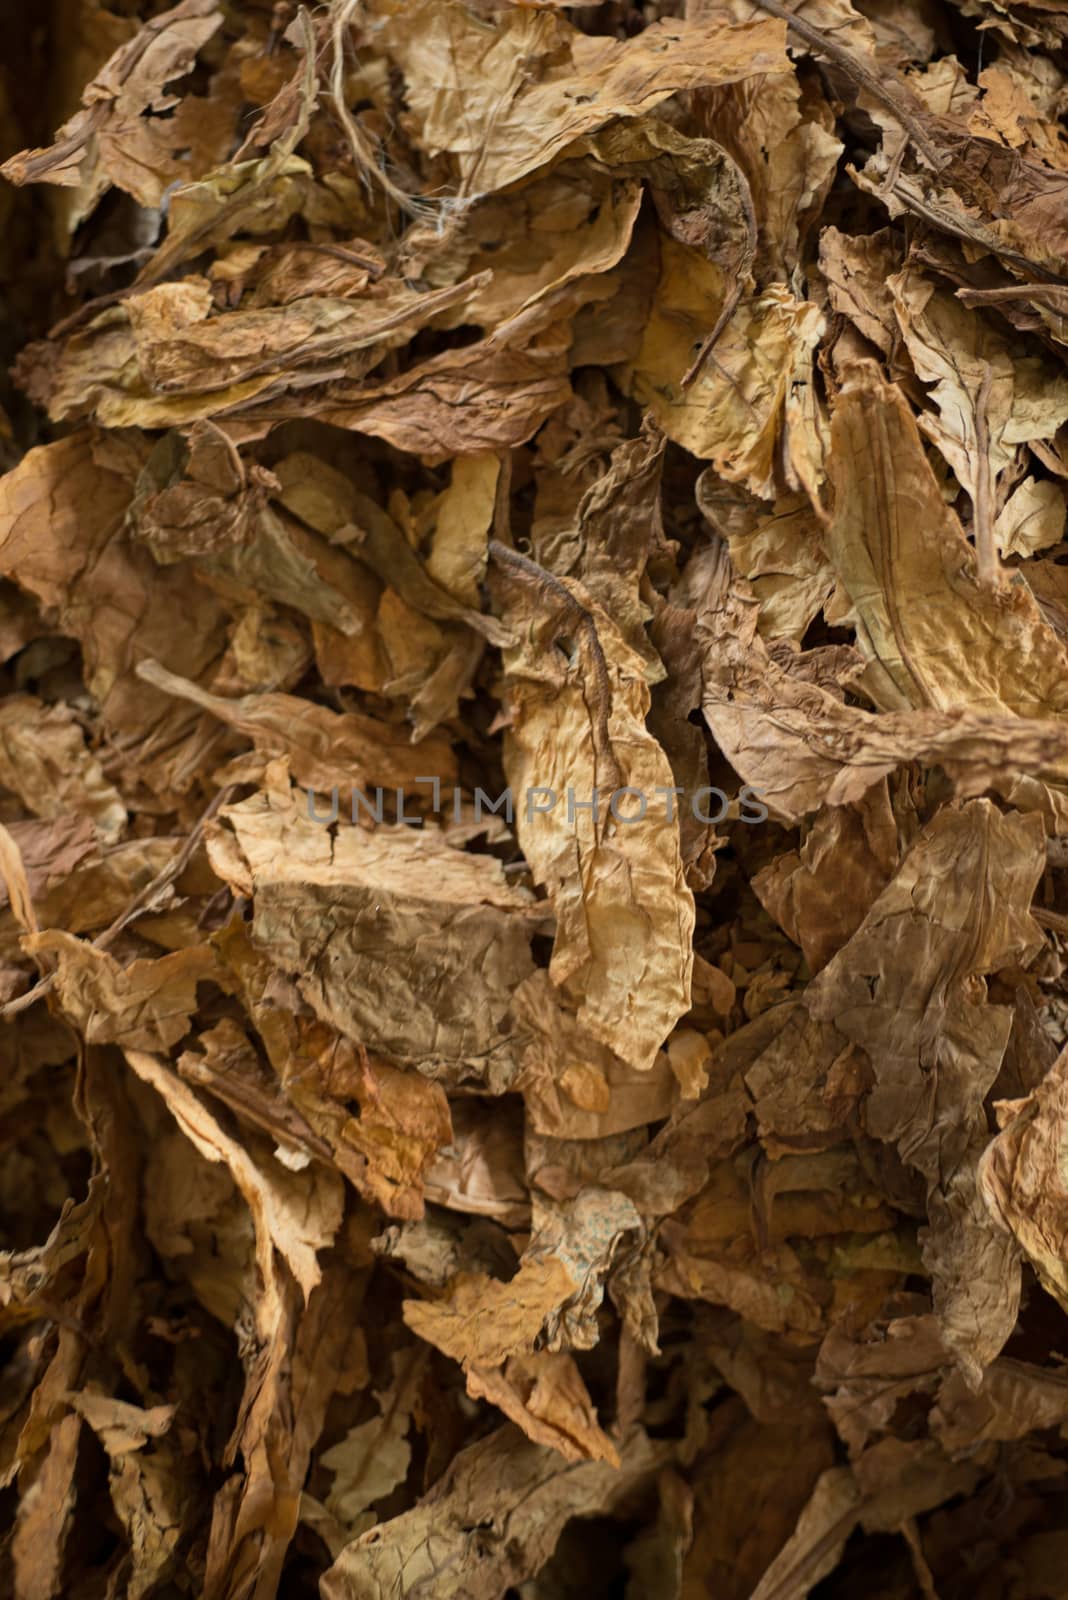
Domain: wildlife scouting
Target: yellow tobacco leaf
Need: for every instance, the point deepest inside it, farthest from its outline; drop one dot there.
(742, 411)
(544, 1395)
(578, 701)
(481, 1322)
(932, 633)
(146, 1005)
(476, 97)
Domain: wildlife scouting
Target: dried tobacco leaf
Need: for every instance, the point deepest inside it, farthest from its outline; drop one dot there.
(533, 796)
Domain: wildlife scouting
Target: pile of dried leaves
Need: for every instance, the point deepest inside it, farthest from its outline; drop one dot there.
(438, 398)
